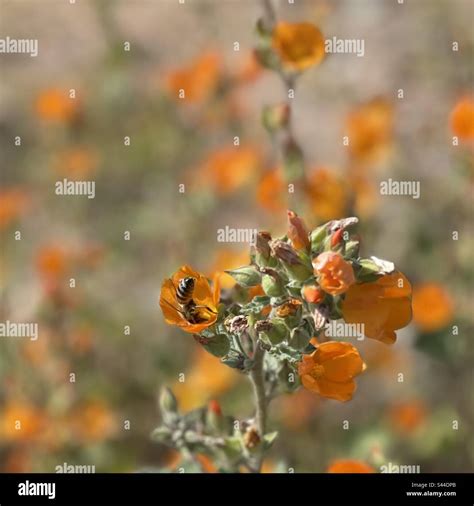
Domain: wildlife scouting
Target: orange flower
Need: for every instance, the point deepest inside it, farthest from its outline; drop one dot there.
(329, 371)
(271, 191)
(21, 421)
(312, 294)
(206, 299)
(249, 70)
(13, 203)
(296, 410)
(462, 119)
(54, 104)
(206, 379)
(227, 259)
(349, 466)
(92, 421)
(299, 45)
(327, 194)
(53, 262)
(297, 231)
(198, 80)
(406, 417)
(228, 168)
(76, 163)
(370, 129)
(433, 307)
(335, 274)
(382, 306)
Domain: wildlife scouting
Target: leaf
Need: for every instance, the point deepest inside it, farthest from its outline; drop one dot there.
(269, 439)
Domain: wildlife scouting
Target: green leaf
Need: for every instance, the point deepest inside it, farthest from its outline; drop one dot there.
(218, 345)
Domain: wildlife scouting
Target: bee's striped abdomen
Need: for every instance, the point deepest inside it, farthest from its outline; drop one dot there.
(184, 292)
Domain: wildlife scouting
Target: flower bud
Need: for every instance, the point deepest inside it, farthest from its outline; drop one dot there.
(290, 311)
(292, 263)
(246, 276)
(273, 331)
(293, 161)
(275, 117)
(297, 232)
(167, 401)
(271, 282)
(300, 336)
(251, 438)
(317, 237)
(337, 237)
(312, 294)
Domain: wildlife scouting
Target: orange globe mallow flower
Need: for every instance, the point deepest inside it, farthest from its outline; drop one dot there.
(370, 130)
(330, 370)
(14, 202)
(205, 301)
(349, 466)
(462, 119)
(406, 417)
(335, 274)
(271, 191)
(327, 193)
(198, 80)
(382, 306)
(299, 45)
(21, 421)
(55, 105)
(229, 168)
(433, 307)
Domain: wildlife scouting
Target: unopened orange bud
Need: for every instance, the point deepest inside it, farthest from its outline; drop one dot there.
(215, 407)
(312, 294)
(336, 237)
(297, 231)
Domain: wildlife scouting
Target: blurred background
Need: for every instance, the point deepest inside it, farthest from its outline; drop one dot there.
(124, 127)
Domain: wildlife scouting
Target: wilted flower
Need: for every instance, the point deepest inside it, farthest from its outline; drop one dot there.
(299, 45)
(334, 273)
(433, 306)
(205, 301)
(383, 306)
(330, 370)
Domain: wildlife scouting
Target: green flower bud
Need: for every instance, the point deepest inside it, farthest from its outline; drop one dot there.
(246, 276)
(272, 286)
(167, 401)
(317, 237)
(276, 333)
(300, 337)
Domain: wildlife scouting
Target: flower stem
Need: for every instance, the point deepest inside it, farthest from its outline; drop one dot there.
(256, 377)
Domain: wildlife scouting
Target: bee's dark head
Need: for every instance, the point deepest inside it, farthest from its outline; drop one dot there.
(188, 282)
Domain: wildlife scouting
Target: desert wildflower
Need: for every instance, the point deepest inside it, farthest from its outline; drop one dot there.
(297, 231)
(330, 370)
(14, 202)
(299, 45)
(201, 313)
(21, 421)
(369, 128)
(55, 105)
(327, 193)
(462, 119)
(432, 306)
(349, 466)
(408, 416)
(383, 306)
(271, 193)
(195, 82)
(335, 274)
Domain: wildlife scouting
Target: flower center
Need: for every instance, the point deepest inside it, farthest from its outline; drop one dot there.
(317, 371)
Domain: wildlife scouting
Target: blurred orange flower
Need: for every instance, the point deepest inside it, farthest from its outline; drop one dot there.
(365, 194)
(349, 466)
(297, 409)
(433, 306)
(271, 191)
(76, 163)
(13, 203)
(299, 45)
(175, 460)
(198, 79)
(370, 130)
(227, 259)
(53, 262)
(335, 275)
(21, 421)
(206, 379)
(327, 193)
(329, 371)
(406, 417)
(462, 119)
(382, 306)
(92, 421)
(54, 104)
(203, 296)
(249, 69)
(228, 168)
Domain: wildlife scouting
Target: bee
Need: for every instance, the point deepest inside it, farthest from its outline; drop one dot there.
(188, 308)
